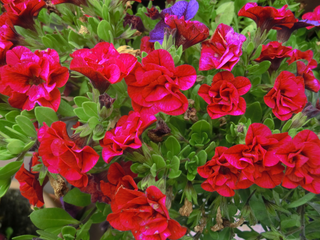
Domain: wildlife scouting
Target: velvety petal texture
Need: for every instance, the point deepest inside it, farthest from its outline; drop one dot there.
(154, 85)
(30, 78)
(223, 96)
(223, 50)
(63, 156)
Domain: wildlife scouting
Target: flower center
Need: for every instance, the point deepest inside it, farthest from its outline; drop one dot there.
(36, 81)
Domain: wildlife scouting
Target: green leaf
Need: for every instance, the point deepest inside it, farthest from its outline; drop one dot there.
(4, 186)
(202, 126)
(292, 221)
(78, 198)
(225, 12)
(65, 109)
(24, 237)
(81, 114)
(159, 161)
(45, 115)
(103, 30)
(47, 235)
(90, 108)
(172, 145)
(174, 173)
(269, 123)
(83, 233)
(9, 170)
(202, 156)
(254, 112)
(153, 170)
(93, 122)
(306, 198)
(78, 100)
(286, 126)
(262, 68)
(315, 206)
(10, 116)
(68, 231)
(15, 146)
(257, 52)
(27, 126)
(51, 217)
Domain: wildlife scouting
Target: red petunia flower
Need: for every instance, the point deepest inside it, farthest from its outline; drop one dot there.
(30, 187)
(21, 12)
(188, 32)
(287, 96)
(301, 156)
(223, 50)
(61, 155)
(257, 159)
(223, 96)
(222, 176)
(125, 135)
(268, 18)
(144, 214)
(305, 71)
(274, 52)
(145, 45)
(313, 16)
(30, 78)
(154, 86)
(103, 65)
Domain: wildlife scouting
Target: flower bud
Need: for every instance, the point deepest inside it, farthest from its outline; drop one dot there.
(161, 130)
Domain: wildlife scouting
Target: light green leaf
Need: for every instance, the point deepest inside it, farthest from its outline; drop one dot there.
(4, 186)
(306, 198)
(46, 115)
(77, 198)
(26, 126)
(9, 170)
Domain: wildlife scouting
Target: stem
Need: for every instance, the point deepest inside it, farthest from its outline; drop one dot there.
(250, 197)
(302, 221)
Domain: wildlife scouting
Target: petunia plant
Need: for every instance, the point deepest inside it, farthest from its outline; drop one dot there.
(188, 119)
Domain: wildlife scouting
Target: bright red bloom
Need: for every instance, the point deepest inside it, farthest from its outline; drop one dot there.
(30, 78)
(222, 176)
(223, 96)
(145, 45)
(275, 53)
(75, 2)
(21, 12)
(125, 135)
(103, 65)
(257, 158)
(61, 155)
(154, 86)
(144, 214)
(268, 18)
(287, 96)
(30, 187)
(305, 71)
(223, 50)
(301, 156)
(313, 16)
(188, 32)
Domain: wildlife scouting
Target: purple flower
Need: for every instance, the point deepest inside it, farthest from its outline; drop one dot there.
(182, 8)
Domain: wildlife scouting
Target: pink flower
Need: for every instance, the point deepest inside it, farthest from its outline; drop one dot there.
(125, 135)
(313, 16)
(223, 50)
(154, 86)
(30, 78)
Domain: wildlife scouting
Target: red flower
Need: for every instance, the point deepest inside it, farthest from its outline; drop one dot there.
(287, 96)
(313, 16)
(144, 214)
(21, 12)
(154, 86)
(224, 94)
(30, 78)
(222, 176)
(75, 2)
(61, 155)
(301, 156)
(125, 135)
(223, 50)
(257, 158)
(268, 18)
(153, 13)
(29, 185)
(275, 53)
(145, 45)
(102, 64)
(304, 70)
(188, 32)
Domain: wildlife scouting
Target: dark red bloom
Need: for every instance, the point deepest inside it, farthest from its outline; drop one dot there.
(134, 21)
(284, 34)
(301, 156)
(103, 65)
(287, 96)
(30, 187)
(154, 86)
(21, 12)
(62, 156)
(305, 71)
(268, 18)
(257, 158)
(75, 2)
(145, 45)
(188, 32)
(125, 135)
(153, 13)
(223, 96)
(144, 214)
(30, 78)
(313, 16)
(222, 176)
(274, 52)
(223, 50)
